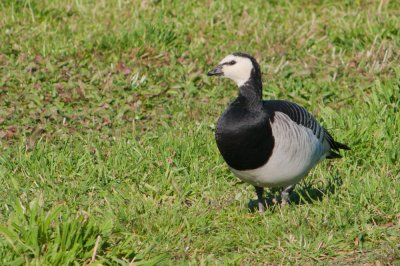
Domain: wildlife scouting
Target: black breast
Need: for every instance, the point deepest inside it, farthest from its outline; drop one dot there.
(244, 138)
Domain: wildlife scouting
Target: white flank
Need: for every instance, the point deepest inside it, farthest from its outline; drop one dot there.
(296, 151)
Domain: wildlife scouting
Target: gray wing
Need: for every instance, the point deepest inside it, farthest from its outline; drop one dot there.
(302, 117)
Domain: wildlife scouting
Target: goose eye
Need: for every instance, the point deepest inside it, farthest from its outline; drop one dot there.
(232, 62)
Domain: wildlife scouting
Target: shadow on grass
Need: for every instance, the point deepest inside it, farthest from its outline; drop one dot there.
(305, 193)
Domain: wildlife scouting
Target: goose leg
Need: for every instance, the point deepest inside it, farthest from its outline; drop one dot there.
(260, 192)
(286, 193)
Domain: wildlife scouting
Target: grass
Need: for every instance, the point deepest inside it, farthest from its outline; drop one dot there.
(107, 154)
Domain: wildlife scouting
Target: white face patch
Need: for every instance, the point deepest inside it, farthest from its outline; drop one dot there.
(240, 71)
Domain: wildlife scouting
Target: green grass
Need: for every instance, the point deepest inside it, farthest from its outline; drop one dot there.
(107, 154)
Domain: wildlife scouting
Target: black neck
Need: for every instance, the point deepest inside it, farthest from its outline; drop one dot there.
(250, 93)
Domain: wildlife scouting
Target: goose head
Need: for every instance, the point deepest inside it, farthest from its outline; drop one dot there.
(239, 67)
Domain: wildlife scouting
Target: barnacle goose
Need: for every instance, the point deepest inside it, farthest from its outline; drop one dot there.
(271, 143)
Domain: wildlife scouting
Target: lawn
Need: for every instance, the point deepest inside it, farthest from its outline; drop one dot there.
(107, 152)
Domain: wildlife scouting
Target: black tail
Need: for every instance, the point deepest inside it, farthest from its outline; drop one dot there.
(337, 146)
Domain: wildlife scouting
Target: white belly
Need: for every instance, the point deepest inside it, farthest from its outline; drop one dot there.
(295, 152)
